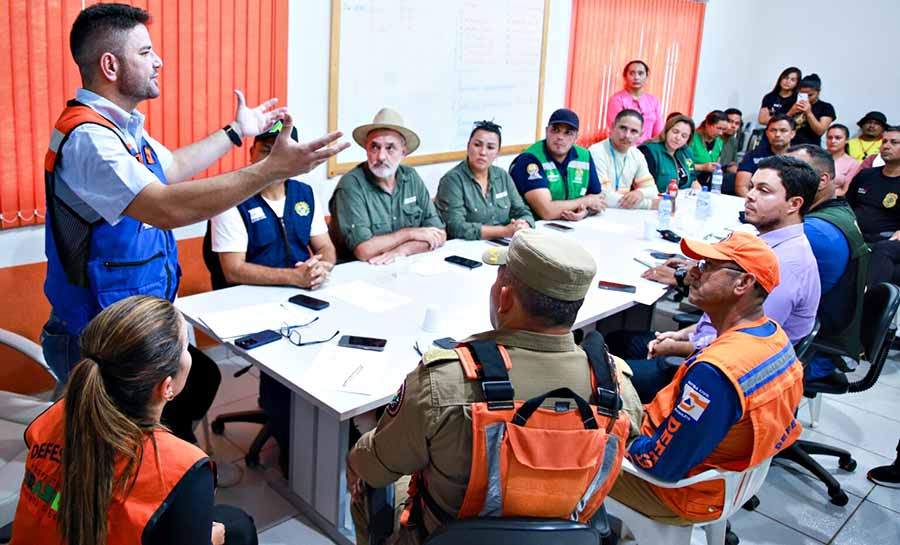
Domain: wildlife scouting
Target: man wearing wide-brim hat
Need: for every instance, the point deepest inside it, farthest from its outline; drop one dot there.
(381, 210)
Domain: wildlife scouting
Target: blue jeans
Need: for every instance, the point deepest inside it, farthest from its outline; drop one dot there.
(61, 349)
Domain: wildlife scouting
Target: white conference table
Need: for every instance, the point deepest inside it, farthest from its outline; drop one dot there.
(321, 416)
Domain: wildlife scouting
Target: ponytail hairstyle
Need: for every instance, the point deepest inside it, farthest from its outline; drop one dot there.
(127, 350)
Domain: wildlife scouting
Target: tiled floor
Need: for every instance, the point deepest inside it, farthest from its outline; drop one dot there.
(794, 508)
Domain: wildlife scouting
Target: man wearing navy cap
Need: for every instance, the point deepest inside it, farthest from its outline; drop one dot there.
(556, 177)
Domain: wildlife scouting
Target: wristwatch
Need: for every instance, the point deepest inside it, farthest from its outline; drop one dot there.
(233, 135)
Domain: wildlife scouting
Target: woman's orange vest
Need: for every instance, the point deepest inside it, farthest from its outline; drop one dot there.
(768, 379)
(530, 461)
(159, 470)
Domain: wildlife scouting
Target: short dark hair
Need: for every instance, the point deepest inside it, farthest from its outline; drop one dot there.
(629, 113)
(798, 178)
(547, 310)
(892, 128)
(734, 111)
(98, 29)
(488, 126)
(819, 159)
(635, 61)
(782, 117)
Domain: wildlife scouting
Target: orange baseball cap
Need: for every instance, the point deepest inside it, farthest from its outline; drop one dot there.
(748, 251)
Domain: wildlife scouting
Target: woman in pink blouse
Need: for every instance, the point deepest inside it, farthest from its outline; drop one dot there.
(845, 166)
(633, 97)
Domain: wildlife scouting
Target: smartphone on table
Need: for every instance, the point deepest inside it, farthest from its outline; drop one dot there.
(363, 343)
(669, 235)
(462, 261)
(558, 227)
(615, 286)
(255, 340)
(309, 302)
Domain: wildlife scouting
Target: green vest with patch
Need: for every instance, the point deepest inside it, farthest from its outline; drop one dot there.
(578, 173)
(840, 310)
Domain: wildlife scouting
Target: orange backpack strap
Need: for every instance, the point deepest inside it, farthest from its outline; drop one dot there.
(489, 363)
(604, 378)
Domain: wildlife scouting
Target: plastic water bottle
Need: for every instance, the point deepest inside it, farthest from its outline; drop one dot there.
(665, 213)
(717, 180)
(703, 211)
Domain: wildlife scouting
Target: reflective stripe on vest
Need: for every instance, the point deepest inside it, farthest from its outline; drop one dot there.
(759, 360)
(36, 515)
(577, 172)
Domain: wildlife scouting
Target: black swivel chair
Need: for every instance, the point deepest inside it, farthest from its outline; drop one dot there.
(879, 307)
(217, 277)
(514, 531)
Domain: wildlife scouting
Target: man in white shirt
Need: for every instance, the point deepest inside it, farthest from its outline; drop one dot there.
(276, 237)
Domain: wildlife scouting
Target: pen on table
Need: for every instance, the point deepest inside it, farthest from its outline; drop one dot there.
(644, 263)
(355, 372)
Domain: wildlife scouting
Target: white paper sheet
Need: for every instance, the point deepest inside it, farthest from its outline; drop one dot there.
(368, 297)
(346, 370)
(430, 267)
(606, 226)
(236, 322)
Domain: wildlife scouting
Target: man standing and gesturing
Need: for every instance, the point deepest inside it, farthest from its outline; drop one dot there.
(114, 193)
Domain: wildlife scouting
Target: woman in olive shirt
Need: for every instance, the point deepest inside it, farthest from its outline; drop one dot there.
(478, 200)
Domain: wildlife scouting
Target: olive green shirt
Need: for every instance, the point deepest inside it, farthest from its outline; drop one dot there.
(729, 151)
(465, 208)
(360, 209)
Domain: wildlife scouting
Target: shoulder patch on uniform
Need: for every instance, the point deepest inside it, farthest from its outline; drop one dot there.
(437, 355)
(397, 401)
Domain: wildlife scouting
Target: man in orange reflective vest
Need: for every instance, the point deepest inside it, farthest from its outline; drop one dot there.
(427, 428)
(731, 405)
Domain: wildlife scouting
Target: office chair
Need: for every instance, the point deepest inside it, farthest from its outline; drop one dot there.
(514, 531)
(880, 304)
(217, 278)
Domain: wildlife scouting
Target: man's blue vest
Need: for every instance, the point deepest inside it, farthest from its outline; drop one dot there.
(271, 242)
(92, 265)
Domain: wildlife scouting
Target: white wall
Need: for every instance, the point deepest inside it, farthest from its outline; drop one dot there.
(310, 24)
(307, 100)
(851, 45)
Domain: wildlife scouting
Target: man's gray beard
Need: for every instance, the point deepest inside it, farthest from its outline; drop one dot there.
(384, 171)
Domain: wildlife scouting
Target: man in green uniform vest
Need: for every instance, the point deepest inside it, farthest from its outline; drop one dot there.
(842, 257)
(556, 177)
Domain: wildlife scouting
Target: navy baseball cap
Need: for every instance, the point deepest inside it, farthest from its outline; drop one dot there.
(566, 116)
(273, 131)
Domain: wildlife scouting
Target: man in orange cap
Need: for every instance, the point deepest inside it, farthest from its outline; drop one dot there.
(731, 405)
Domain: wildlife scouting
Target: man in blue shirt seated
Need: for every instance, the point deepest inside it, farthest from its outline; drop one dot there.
(277, 237)
(731, 405)
(842, 257)
(780, 131)
(556, 178)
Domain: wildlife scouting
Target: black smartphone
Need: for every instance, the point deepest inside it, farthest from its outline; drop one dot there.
(742, 216)
(462, 261)
(447, 343)
(558, 227)
(502, 241)
(661, 255)
(669, 235)
(615, 286)
(309, 302)
(364, 343)
(255, 340)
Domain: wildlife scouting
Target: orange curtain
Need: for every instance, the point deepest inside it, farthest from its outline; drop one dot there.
(606, 34)
(208, 47)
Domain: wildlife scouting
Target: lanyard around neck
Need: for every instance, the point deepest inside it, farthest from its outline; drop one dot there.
(615, 164)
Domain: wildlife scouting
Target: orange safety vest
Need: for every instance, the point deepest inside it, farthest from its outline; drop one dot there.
(530, 461)
(36, 514)
(768, 379)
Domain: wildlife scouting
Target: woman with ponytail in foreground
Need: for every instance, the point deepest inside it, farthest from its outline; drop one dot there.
(101, 469)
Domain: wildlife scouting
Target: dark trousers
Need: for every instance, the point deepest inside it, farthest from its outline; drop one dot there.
(650, 375)
(275, 401)
(884, 263)
(239, 526)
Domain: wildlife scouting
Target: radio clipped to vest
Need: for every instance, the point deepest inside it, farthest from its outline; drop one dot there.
(532, 461)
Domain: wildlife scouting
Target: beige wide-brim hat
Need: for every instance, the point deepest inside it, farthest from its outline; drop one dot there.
(387, 118)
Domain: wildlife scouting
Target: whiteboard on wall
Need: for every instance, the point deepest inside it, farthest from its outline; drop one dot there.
(443, 64)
